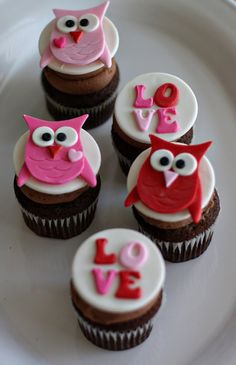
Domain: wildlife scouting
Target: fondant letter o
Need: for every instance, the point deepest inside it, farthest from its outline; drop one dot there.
(129, 259)
(164, 101)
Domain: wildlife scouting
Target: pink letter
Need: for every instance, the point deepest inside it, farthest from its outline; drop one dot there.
(164, 126)
(140, 102)
(103, 284)
(134, 255)
(143, 121)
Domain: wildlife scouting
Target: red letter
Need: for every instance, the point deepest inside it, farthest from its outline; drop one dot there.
(124, 291)
(164, 101)
(101, 257)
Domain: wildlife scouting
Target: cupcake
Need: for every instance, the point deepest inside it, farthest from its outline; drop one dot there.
(156, 103)
(171, 187)
(57, 180)
(80, 75)
(117, 287)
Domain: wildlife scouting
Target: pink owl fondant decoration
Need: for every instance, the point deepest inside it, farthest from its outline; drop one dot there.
(77, 37)
(169, 181)
(54, 153)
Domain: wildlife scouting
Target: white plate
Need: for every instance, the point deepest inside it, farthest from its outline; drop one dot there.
(196, 41)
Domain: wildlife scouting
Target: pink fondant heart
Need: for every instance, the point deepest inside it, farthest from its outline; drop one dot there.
(59, 42)
(75, 155)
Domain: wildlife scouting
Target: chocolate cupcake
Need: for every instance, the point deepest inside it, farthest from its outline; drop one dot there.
(117, 288)
(171, 187)
(80, 75)
(57, 180)
(156, 103)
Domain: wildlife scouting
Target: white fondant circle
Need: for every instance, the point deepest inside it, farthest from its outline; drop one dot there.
(91, 152)
(187, 107)
(207, 178)
(152, 272)
(112, 41)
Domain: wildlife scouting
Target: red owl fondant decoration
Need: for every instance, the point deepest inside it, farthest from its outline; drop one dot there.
(169, 181)
(77, 37)
(54, 153)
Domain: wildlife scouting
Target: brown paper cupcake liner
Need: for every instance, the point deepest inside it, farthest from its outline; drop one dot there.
(61, 228)
(114, 340)
(98, 114)
(182, 251)
(124, 162)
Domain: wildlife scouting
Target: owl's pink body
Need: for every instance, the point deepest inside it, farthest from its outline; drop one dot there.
(60, 168)
(91, 46)
(42, 166)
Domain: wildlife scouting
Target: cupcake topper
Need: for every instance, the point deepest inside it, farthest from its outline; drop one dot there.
(168, 181)
(77, 37)
(54, 154)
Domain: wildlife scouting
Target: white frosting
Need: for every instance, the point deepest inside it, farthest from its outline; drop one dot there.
(152, 272)
(91, 152)
(207, 178)
(187, 107)
(112, 41)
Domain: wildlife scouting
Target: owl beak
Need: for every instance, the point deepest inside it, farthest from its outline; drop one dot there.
(170, 177)
(54, 150)
(76, 36)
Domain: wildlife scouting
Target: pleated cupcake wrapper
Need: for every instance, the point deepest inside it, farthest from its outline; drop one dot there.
(60, 227)
(97, 114)
(125, 163)
(182, 251)
(115, 340)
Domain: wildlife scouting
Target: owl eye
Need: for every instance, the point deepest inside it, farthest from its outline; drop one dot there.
(88, 22)
(67, 24)
(185, 164)
(43, 136)
(162, 160)
(66, 136)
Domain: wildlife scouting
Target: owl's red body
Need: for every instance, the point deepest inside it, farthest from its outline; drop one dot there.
(184, 193)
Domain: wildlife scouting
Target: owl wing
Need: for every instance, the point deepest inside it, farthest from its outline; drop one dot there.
(87, 174)
(195, 208)
(132, 198)
(46, 57)
(106, 57)
(23, 176)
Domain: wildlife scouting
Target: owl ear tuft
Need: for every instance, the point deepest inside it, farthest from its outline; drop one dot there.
(101, 9)
(59, 12)
(158, 143)
(199, 150)
(32, 122)
(77, 123)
